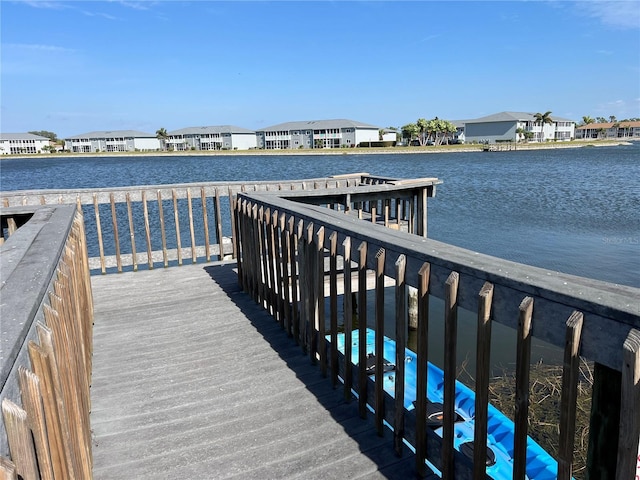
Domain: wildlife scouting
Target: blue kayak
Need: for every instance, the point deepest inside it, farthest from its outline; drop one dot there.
(500, 437)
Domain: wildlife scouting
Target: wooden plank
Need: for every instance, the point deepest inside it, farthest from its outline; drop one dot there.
(278, 257)
(569, 395)
(401, 344)
(421, 369)
(292, 239)
(523, 359)
(483, 369)
(218, 213)
(285, 249)
(33, 406)
(311, 292)
(233, 200)
(362, 329)
(163, 232)
(147, 230)
(320, 340)
(99, 230)
(449, 390)
(7, 468)
(269, 263)
(348, 318)
(116, 237)
(205, 225)
(176, 219)
(628, 449)
(132, 234)
(333, 306)
(379, 347)
(192, 232)
(19, 437)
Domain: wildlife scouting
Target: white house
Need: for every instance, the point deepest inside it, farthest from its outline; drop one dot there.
(503, 127)
(19, 143)
(224, 137)
(609, 130)
(113, 141)
(317, 134)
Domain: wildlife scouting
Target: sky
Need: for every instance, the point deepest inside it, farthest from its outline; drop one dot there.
(73, 67)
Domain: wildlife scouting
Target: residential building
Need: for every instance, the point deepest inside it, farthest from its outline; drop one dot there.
(609, 130)
(19, 143)
(503, 127)
(113, 141)
(317, 134)
(224, 137)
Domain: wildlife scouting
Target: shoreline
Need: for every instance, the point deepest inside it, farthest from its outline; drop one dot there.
(337, 151)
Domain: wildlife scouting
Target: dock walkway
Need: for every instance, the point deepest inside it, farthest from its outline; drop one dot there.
(192, 379)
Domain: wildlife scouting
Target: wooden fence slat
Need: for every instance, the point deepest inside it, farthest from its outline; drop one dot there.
(569, 395)
(362, 330)
(163, 233)
(628, 450)
(319, 330)
(284, 269)
(7, 468)
(19, 437)
(450, 342)
(379, 345)
(523, 359)
(401, 343)
(218, 214)
(293, 241)
(176, 219)
(96, 207)
(234, 227)
(192, 232)
(421, 369)
(278, 264)
(205, 225)
(268, 263)
(347, 319)
(132, 234)
(32, 403)
(483, 369)
(312, 293)
(333, 306)
(147, 229)
(116, 237)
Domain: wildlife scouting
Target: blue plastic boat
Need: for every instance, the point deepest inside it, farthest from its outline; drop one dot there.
(540, 465)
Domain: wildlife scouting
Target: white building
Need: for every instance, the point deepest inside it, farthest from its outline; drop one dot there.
(19, 143)
(317, 134)
(504, 126)
(113, 141)
(224, 137)
(610, 130)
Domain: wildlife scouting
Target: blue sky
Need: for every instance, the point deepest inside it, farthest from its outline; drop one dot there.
(72, 67)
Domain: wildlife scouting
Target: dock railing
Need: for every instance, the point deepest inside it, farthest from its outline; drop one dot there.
(284, 245)
(153, 226)
(46, 318)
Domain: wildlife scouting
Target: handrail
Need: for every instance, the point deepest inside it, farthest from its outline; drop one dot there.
(283, 241)
(46, 348)
(161, 225)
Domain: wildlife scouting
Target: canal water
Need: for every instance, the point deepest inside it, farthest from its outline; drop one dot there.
(572, 210)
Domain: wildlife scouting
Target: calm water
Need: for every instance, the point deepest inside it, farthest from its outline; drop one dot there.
(571, 210)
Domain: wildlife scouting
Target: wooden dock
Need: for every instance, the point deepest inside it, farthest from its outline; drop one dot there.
(192, 379)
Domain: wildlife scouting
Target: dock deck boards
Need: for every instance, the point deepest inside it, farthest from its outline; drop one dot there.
(192, 379)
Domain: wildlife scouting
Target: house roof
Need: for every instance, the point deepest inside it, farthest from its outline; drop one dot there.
(513, 117)
(608, 125)
(21, 136)
(114, 133)
(210, 129)
(318, 124)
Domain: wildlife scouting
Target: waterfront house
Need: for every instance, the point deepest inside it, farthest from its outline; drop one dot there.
(18, 143)
(224, 137)
(503, 127)
(609, 130)
(112, 141)
(339, 133)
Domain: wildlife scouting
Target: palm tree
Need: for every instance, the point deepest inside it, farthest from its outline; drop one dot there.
(586, 120)
(422, 131)
(542, 118)
(162, 135)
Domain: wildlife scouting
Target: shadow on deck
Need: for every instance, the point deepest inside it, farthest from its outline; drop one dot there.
(192, 378)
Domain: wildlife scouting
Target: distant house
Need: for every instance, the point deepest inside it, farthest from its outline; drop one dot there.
(19, 143)
(503, 127)
(224, 137)
(112, 141)
(610, 130)
(317, 134)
